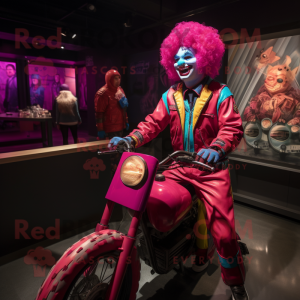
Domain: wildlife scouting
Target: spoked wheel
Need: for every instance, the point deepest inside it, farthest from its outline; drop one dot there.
(93, 282)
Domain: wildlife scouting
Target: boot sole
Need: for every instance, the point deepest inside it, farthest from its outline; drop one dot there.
(198, 269)
(246, 293)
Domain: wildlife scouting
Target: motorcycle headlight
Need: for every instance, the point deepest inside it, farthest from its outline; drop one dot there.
(133, 170)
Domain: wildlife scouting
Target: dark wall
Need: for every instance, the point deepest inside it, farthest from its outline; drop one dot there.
(40, 191)
(265, 15)
(7, 46)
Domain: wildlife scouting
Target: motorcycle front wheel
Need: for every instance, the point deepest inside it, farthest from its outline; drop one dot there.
(94, 281)
(85, 271)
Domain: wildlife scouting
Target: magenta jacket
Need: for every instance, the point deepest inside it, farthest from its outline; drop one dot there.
(213, 122)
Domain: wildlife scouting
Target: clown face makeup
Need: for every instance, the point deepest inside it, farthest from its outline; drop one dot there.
(186, 66)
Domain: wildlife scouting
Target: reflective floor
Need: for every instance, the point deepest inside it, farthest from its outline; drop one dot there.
(273, 266)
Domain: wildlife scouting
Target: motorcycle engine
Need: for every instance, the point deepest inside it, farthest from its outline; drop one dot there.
(162, 250)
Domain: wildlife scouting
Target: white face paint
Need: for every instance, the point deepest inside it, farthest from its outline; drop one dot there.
(186, 67)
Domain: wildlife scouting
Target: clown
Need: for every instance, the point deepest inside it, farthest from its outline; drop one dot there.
(277, 99)
(203, 118)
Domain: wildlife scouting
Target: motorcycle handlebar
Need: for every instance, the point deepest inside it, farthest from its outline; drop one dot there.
(212, 169)
(186, 157)
(124, 147)
(177, 153)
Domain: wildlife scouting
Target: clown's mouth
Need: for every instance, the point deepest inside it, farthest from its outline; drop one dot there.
(184, 71)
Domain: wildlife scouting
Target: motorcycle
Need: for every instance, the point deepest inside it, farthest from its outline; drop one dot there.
(106, 264)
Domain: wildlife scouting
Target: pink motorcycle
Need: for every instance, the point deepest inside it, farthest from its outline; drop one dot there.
(106, 264)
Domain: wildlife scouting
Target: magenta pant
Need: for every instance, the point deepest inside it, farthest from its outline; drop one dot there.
(214, 189)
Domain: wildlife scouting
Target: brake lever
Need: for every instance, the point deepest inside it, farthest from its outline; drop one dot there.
(184, 158)
(189, 160)
(120, 148)
(124, 147)
(107, 152)
(212, 169)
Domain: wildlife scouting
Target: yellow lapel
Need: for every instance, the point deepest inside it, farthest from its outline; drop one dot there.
(180, 105)
(200, 102)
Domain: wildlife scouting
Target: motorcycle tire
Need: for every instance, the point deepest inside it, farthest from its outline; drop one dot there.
(79, 262)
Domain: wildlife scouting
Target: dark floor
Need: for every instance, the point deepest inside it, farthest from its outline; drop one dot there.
(272, 267)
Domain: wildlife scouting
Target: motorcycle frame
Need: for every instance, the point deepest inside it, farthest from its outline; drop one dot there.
(130, 238)
(139, 218)
(126, 248)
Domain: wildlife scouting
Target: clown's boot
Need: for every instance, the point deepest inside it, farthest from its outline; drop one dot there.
(239, 292)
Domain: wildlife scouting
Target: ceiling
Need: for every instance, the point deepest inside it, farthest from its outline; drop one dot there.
(89, 18)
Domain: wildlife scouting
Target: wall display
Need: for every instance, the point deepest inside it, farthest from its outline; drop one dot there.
(264, 78)
(82, 88)
(8, 87)
(45, 81)
(143, 85)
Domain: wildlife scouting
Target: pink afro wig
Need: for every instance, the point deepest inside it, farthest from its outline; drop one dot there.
(204, 40)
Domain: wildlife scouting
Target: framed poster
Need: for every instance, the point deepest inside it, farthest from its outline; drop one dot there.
(45, 81)
(8, 87)
(263, 77)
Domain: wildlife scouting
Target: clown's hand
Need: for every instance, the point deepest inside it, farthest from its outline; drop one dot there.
(209, 155)
(123, 102)
(115, 141)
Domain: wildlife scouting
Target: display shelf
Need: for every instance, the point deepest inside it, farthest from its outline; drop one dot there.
(265, 162)
(53, 151)
(263, 185)
(285, 211)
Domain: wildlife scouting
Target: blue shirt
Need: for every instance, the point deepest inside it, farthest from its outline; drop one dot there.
(190, 96)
